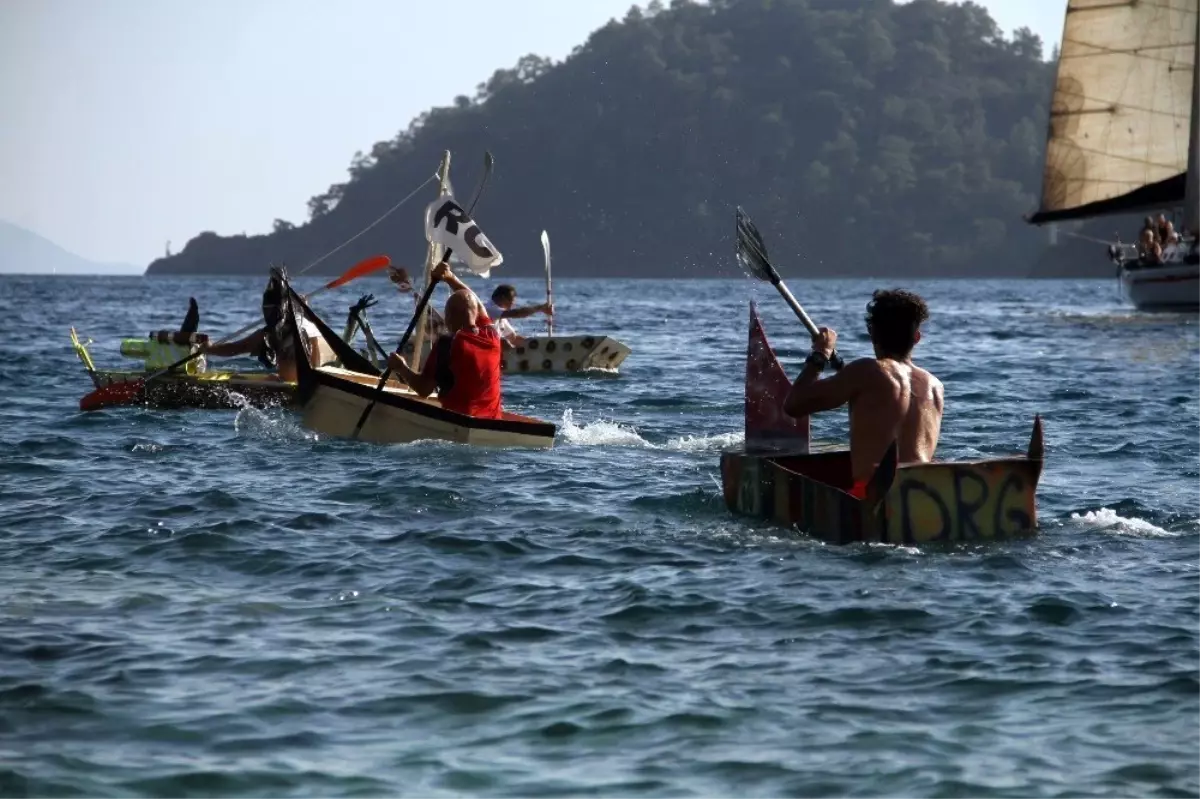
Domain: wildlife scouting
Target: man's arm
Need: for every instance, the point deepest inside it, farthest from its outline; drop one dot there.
(521, 313)
(810, 394)
(243, 346)
(423, 382)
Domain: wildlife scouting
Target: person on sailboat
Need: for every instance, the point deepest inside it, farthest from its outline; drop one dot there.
(1150, 252)
(501, 309)
(464, 365)
(890, 398)
(1164, 229)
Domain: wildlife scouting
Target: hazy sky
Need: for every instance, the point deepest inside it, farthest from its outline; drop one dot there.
(128, 123)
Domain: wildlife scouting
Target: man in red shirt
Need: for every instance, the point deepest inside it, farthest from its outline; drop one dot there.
(464, 365)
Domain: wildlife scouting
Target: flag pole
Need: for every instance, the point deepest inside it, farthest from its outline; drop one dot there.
(433, 254)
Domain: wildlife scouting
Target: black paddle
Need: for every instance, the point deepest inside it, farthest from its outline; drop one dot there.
(752, 255)
(488, 162)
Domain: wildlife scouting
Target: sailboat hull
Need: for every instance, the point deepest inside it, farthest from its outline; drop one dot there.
(1173, 287)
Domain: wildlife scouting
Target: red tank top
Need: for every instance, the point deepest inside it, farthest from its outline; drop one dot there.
(475, 364)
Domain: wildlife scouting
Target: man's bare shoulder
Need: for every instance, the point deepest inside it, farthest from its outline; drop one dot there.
(928, 376)
(870, 373)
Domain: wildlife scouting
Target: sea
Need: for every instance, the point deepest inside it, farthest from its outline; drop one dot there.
(222, 603)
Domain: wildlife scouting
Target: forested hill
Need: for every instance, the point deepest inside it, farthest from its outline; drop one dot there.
(863, 137)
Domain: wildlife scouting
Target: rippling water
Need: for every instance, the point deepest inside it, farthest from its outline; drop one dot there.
(204, 603)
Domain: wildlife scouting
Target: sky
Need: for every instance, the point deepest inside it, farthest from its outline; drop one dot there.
(125, 124)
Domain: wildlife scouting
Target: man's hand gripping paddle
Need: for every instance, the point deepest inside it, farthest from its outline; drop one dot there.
(752, 255)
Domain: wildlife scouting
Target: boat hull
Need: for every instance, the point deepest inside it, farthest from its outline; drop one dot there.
(209, 391)
(401, 416)
(556, 355)
(924, 503)
(1170, 287)
(564, 354)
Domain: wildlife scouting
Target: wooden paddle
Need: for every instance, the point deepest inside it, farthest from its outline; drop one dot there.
(488, 163)
(752, 255)
(549, 284)
(133, 391)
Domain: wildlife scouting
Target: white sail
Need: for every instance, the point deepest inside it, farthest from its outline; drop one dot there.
(1120, 120)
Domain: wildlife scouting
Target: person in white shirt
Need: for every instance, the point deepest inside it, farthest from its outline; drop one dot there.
(500, 309)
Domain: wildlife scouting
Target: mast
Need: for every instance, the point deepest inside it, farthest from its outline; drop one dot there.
(433, 254)
(1191, 204)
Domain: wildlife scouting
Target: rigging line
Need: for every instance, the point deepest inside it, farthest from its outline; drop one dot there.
(386, 214)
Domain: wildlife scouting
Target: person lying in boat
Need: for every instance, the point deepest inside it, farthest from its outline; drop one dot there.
(890, 398)
(464, 364)
(267, 344)
(501, 309)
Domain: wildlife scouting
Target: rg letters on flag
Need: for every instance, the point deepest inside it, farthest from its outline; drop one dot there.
(447, 224)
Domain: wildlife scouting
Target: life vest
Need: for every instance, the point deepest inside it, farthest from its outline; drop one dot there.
(467, 370)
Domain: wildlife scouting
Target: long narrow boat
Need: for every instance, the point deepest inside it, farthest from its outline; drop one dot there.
(774, 476)
(559, 355)
(564, 354)
(196, 385)
(195, 388)
(332, 400)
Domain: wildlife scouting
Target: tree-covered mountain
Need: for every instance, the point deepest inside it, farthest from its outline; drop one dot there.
(864, 137)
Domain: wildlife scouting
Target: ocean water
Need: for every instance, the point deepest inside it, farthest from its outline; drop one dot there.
(210, 603)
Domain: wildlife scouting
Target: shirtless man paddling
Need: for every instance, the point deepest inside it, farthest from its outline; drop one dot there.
(890, 398)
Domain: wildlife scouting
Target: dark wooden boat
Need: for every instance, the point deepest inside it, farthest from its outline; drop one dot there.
(775, 476)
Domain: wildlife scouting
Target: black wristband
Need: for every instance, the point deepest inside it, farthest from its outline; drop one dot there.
(818, 359)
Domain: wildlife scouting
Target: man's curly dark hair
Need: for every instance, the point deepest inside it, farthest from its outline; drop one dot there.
(893, 318)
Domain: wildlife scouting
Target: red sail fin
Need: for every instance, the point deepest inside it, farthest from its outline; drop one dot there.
(766, 386)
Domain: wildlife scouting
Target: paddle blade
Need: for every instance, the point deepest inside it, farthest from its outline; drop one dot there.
(114, 395)
(364, 267)
(752, 251)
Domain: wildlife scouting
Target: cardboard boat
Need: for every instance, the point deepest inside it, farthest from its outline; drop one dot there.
(198, 387)
(774, 476)
(557, 355)
(332, 399)
(564, 354)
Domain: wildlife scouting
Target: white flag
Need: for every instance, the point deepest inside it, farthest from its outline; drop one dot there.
(447, 224)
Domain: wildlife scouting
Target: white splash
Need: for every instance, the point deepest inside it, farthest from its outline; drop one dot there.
(606, 433)
(1107, 520)
(705, 443)
(600, 433)
(277, 426)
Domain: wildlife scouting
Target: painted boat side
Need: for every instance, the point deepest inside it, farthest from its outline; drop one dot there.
(775, 476)
(209, 390)
(915, 503)
(564, 354)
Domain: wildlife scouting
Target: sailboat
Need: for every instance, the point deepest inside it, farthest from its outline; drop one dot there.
(1123, 134)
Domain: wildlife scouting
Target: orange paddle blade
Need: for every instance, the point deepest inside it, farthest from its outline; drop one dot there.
(114, 394)
(366, 267)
